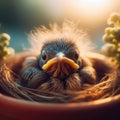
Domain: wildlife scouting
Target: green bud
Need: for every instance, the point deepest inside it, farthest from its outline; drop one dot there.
(108, 38)
(117, 33)
(108, 30)
(4, 44)
(114, 41)
(109, 50)
(2, 49)
(1, 45)
(5, 52)
(114, 31)
(4, 37)
(11, 51)
(114, 18)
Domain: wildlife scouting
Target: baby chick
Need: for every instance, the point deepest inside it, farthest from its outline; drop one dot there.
(60, 66)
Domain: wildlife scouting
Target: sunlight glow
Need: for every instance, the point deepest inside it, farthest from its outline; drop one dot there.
(94, 6)
(93, 10)
(88, 12)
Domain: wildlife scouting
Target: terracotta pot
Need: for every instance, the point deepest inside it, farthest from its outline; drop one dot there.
(13, 109)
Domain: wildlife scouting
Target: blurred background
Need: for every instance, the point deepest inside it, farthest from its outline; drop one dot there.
(19, 17)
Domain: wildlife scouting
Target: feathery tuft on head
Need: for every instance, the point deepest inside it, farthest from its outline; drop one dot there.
(67, 31)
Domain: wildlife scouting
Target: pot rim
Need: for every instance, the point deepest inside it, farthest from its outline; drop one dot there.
(7, 101)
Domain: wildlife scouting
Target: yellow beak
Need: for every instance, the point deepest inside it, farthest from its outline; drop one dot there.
(60, 58)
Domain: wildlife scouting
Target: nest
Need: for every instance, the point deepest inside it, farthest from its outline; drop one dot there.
(107, 87)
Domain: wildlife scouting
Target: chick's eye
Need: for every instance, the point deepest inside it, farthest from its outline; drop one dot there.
(44, 56)
(76, 56)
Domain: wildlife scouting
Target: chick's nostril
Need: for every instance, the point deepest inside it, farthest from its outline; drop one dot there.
(60, 55)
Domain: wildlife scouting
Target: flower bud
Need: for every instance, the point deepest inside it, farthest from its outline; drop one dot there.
(108, 38)
(4, 37)
(109, 50)
(6, 43)
(114, 18)
(117, 33)
(5, 52)
(11, 51)
(108, 30)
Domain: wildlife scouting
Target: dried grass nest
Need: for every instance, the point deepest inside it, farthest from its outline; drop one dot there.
(107, 87)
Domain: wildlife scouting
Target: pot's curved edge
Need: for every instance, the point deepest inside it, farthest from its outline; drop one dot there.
(21, 109)
(8, 101)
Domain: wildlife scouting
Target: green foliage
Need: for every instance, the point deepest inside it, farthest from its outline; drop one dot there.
(4, 49)
(112, 39)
